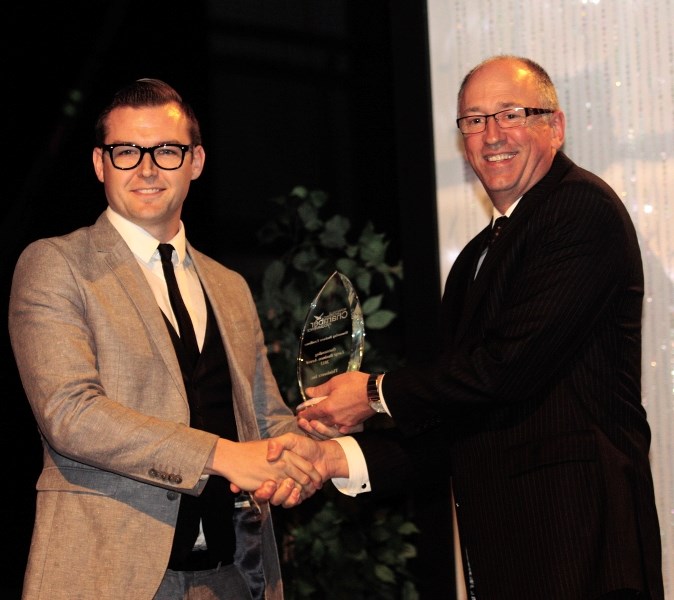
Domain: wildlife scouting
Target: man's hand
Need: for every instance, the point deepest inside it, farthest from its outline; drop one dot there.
(320, 431)
(288, 494)
(344, 407)
(288, 477)
(327, 457)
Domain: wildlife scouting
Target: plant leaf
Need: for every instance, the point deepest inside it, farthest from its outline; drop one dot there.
(379, 319)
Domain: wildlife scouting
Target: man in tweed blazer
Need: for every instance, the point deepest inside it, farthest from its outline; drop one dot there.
(91, 330)
(534, 404)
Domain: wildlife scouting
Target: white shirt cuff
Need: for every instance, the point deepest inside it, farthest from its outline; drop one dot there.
(358, 481)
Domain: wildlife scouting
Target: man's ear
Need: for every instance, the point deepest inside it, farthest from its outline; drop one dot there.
(557, 122)
(97, 157)
(198, 160)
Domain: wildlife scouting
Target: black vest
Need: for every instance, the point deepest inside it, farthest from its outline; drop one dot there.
(209, 392)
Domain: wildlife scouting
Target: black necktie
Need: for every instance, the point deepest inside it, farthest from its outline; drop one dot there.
(493, 235)
(187, 335)
(495, 232)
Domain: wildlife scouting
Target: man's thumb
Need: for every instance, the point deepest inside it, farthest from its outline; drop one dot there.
(274, 450)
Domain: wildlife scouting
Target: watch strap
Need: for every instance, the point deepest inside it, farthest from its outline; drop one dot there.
(373, 397)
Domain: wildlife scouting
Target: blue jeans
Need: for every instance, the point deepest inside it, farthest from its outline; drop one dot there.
(222, 583)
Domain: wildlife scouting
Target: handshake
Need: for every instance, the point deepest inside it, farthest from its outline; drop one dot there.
(287, 469)
(284, 470)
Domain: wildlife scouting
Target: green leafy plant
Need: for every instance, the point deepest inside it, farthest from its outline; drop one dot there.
(310, 249)
(332, 547)
(340, 554)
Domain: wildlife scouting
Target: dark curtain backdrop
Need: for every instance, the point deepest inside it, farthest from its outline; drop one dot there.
(331, 95)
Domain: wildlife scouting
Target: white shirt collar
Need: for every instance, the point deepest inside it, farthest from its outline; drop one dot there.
(495, 214)
(141, 243)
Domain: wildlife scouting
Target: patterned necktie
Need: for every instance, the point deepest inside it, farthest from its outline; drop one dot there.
(496, 230)
(187, 335)
(494, 234)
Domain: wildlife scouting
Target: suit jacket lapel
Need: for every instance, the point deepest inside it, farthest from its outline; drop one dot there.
(217, 298)
(460, 307)
(217, 295)
(123, 264)
(495, 262)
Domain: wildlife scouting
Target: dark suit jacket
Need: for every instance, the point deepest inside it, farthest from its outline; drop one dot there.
(534, 405)
(102, 378)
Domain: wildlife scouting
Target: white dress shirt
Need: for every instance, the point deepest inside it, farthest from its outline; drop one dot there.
(495, 215)
(144, 248)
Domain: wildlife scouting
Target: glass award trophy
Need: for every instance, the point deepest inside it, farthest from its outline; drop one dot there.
(333, 336)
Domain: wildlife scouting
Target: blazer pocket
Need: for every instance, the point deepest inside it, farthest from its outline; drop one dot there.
(575, 446)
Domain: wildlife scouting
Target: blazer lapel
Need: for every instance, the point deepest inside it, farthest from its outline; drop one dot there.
(123, 264)
(217, 294)
(474, 286)
(507, 249)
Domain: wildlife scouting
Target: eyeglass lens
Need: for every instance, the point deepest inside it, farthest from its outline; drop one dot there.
(166, 156)
(510, 117)
(505, 118)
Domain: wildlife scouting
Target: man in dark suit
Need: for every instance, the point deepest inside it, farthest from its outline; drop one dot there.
(534, 403)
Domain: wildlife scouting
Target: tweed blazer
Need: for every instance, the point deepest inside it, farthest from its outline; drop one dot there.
(103, 381)
(534, 404)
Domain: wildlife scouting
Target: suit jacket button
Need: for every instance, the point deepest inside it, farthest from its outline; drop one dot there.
(172, 495)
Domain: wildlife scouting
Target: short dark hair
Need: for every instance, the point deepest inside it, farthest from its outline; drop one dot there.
(146, 92)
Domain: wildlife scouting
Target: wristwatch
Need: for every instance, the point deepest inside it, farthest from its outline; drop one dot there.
(373, 396)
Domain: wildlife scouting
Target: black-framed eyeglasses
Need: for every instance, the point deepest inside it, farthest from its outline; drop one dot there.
(128, 156)
(510, 117)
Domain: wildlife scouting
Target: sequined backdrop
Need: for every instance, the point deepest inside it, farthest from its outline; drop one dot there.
(613, 64)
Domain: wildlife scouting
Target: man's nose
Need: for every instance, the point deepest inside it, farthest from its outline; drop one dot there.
(492, 130)
(147, 165)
